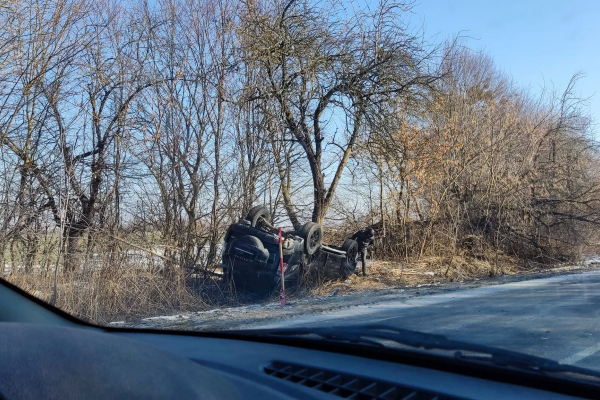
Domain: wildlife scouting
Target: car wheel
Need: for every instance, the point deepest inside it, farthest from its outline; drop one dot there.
(349, 265)
(312, 234)
(257, 213)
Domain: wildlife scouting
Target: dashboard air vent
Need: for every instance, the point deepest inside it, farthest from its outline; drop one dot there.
(345, 385)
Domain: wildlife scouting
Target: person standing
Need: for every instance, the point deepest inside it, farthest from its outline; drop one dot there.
(365, 239)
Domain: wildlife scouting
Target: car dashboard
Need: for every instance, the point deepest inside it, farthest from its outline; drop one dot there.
(46, 353)
(264, 370)
(62, 362)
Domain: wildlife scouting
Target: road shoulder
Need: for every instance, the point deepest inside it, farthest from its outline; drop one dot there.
(271, 314)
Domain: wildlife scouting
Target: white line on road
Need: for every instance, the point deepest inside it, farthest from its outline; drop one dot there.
(585, 353)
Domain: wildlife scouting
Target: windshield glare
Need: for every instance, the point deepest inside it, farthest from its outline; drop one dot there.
(226, 165)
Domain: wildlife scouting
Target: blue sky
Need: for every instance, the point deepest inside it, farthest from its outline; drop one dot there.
(536, 42)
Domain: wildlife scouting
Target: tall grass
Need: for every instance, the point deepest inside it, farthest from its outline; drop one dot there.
(107, 286)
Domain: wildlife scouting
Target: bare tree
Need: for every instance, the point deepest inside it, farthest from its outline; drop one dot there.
(318, 63)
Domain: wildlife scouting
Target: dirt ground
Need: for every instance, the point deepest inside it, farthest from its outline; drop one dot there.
(385, 282)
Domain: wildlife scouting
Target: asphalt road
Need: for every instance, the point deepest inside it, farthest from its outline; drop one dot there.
(557, 317)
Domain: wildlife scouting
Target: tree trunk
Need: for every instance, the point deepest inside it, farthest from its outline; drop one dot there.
(72, 251)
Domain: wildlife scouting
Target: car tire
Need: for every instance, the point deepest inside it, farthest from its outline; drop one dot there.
(256, 213)
(350, 247)
(312, 234)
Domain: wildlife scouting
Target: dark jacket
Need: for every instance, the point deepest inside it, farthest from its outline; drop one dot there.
(364, 238)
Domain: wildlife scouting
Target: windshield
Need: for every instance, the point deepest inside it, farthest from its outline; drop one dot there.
(238, 165)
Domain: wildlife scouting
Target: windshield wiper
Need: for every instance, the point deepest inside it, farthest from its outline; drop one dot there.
(377, 335)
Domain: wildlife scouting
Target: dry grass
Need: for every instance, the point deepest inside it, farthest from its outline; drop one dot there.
(106, 295)
(134, 287)
(428, 270)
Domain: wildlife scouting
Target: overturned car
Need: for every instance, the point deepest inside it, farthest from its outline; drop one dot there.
(251, 256)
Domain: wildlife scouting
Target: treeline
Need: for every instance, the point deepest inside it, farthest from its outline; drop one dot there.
(143, 129)
(485, 168)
